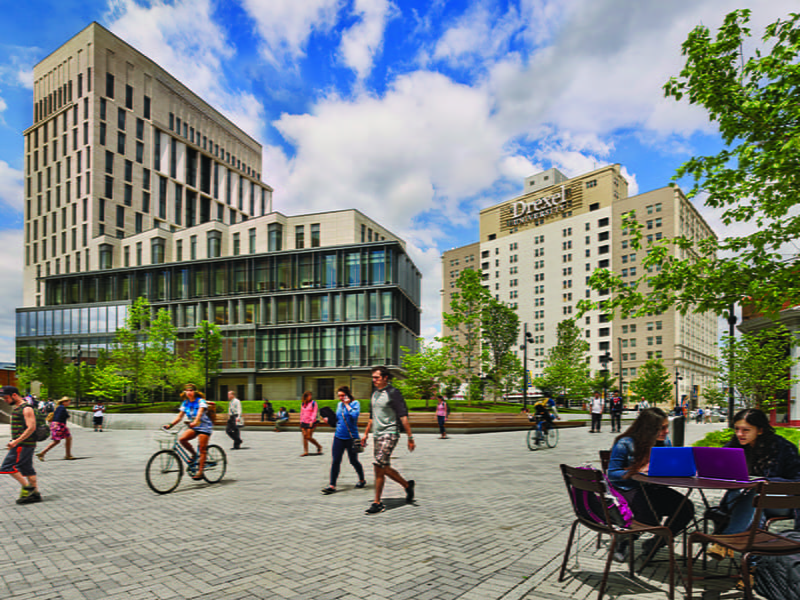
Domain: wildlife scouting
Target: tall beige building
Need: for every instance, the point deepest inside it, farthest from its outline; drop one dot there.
(538, 250)
(118, 147)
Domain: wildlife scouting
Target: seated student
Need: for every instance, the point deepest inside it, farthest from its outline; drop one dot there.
(630, 455)
(768, 455)
(281, 419)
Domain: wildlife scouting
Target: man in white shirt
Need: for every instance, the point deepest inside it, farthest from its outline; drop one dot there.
(235, 420)
(597, 412)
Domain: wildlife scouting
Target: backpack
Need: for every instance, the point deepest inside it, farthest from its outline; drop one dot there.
(590, 508)
(616, 404)
(42, 431)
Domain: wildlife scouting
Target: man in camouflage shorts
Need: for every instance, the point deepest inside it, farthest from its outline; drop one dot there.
(388, 411)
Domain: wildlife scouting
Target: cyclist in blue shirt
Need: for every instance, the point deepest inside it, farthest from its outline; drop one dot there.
(194, 408)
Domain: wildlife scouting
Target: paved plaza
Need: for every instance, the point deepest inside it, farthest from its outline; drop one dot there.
(490, 521)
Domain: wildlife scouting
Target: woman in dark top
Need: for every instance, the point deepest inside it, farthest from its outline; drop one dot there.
(630, 455)
(768, 455)
(59, 430)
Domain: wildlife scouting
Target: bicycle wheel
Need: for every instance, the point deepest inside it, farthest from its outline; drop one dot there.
(164, 471)
(552, 438)
(532, 435)
(216, 464)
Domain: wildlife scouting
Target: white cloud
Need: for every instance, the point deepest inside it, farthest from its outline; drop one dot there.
(11, 188)
(364, 40)
(3, 105)
(285, 26)
(10, 290)
(183, 38)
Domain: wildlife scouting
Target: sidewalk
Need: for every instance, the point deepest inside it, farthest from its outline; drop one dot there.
(490, 522)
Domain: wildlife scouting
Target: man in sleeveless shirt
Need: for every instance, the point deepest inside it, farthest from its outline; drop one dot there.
(19, 460)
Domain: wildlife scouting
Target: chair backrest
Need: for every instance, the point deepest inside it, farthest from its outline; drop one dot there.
(773, 494)
(592, 483)
(605, 458)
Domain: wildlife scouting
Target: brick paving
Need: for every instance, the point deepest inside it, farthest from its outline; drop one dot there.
(490, 522)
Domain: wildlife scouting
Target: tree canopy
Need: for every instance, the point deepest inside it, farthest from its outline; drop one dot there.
(752, 182)
(566, 372)
(653, 383)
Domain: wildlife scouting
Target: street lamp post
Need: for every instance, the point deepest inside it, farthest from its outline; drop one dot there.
(527, 338)
(677, 399)
(731, 333)
(621, 380)
(605, 359)
(78, 390)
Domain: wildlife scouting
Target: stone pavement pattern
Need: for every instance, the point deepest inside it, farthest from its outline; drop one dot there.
(490, 522)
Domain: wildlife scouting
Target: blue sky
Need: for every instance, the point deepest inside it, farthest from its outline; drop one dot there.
(418, 113)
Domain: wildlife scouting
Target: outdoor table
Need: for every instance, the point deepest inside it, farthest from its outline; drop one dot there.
(690, 484)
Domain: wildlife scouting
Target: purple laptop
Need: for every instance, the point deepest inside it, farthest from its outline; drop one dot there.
(727, 464)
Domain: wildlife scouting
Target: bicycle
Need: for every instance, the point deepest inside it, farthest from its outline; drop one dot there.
(165, 468)
(537, 434)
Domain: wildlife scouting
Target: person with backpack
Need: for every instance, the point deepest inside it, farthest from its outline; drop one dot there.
(615, 410)
(630, 454)
(19, 461)
(195, 408)
(345, 438)
(59, 430)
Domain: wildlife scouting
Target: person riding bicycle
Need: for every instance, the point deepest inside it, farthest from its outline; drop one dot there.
(195, 408)
(542, 416)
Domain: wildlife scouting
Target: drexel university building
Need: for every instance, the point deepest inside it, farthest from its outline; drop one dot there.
(136, 187)
(537, 251)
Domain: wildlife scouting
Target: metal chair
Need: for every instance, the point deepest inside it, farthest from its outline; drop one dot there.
(593, 482)
(755, 541)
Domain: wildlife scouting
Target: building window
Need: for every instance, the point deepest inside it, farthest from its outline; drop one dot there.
(214, 241)
(299, 234)
(109, 85)
(236, 244)
(121, 119)
(252, 233)
(193, 247)
(121, 143)
(157, 246)
(274, 237)
(129, 97)
(120, 216)
(147, 107)
(315, 235)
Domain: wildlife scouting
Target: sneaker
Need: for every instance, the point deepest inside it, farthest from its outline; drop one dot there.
(361, 484)
(410, 492)
(26, 491)
(31, 498)
(375, 508)
(328, 490)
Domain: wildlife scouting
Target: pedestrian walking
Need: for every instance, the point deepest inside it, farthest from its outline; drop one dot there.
(267, 412)
(345, 438)
(442, 412)
(235, 420)
(388, 411)
(615, 410)
(596, 410)
(308, 422)
(19, 460)
(97, 416)
(59, 431)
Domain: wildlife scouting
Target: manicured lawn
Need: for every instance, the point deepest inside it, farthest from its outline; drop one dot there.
(720, 438)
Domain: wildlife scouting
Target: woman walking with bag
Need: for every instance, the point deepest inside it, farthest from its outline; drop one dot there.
(308, 422)
(59, 430)
(346, 438)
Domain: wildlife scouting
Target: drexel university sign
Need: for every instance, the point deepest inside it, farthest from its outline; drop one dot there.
(525, 212)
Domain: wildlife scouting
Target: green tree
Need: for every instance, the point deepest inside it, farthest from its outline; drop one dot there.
(160, 352)
(603, 380)
(424, 370)
(207, 352)
(464, 322)
(762, 363)
(500, 328)
(754, 181)
(566, 370)
(107, 383)
(509, 376)
(129, 353)
(653, 383)
(46, 365)
(713, 395)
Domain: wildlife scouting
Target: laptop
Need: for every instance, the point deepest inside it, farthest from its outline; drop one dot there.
(666, 461)
(726, 464)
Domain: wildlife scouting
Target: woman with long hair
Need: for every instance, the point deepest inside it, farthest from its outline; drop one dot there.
(308, 422)
(768, 455)
(195, 408)
(344, 438)
(630, 454)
